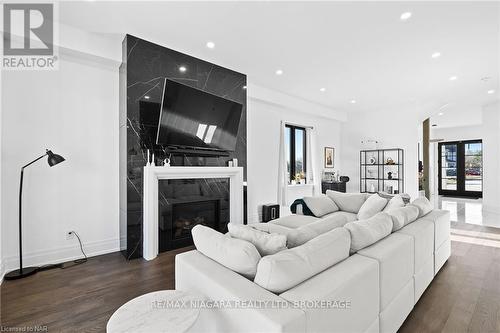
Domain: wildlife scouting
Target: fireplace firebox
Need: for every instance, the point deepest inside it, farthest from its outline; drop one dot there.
(186, 203)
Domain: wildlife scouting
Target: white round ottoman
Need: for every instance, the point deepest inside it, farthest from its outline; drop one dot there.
(160, 311)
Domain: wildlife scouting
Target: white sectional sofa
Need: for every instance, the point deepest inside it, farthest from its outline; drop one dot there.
(374, 288)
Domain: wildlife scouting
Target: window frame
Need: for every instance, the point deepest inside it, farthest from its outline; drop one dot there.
(291, 144)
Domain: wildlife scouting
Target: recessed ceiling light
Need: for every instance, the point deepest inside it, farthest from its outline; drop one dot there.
(353, 101)
(146, 97)
(322, 89)
(436, 55)
(279, 72)
(182, 69)
(440, 113)
(434, 125)
(491, 91)
(210, 45)
(405, 16)
(453, 78)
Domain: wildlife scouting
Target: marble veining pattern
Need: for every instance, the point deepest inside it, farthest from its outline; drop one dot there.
(146, 67)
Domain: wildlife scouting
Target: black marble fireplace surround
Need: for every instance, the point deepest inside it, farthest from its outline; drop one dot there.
(143, 72)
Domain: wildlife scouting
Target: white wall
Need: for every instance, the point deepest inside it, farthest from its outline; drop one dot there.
(264, 119)
(457, 133)
(398, 129)
(491, 157)
(74, 112)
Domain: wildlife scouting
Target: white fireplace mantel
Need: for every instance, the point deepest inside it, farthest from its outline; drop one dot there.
(152, 174)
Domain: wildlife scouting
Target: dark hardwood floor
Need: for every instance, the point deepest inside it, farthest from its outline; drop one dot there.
(464, 296)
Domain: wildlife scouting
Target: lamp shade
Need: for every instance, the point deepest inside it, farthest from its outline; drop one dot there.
(54, 158)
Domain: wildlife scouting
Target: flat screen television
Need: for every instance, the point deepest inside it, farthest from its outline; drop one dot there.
(192, 118)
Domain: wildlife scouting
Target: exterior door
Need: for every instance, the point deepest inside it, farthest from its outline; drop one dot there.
(461, 168)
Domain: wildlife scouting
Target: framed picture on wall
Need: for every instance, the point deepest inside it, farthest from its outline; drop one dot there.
(329, 157)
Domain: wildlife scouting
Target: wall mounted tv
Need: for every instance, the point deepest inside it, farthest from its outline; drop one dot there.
(192, 118)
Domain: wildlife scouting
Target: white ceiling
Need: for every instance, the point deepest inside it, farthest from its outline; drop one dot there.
(356, 50)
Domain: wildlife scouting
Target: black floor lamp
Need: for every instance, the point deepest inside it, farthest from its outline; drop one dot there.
(53, 159)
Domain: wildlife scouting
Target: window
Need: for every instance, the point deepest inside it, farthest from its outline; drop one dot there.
(295, 139)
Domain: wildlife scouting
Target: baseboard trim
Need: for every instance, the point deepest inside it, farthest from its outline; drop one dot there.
(63, 254)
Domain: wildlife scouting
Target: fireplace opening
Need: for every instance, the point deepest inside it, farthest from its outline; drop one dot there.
(185, 203)
(186, 215)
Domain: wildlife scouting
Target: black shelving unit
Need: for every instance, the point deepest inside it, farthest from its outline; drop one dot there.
(374, 168)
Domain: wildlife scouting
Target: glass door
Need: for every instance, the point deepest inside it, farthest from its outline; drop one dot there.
(460, 168)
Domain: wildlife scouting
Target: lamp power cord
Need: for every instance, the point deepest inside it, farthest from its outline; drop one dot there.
(68, 264)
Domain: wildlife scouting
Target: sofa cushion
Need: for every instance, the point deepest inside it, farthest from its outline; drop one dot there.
(266, 243)
(320, 205)
(373, 205)
(441, 220)
(395, 256)
(422, 232)
(236, 254)
(367, 232)
(288, 268)
(403, 216)
(424, 206)
(395, 202)
(294, 221)
(356, 280)
(348, 216)
(347, 202)
(298, 236)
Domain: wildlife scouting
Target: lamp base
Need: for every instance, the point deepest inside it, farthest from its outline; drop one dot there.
(18, 274)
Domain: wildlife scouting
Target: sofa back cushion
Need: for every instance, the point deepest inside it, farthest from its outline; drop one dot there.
(266, 243)
(373, 205)
(347, 202)
(320, 205)
(403, 216)
(236, 254)
(424, 206)
(288, 268)
(367, 232)
(395, 202)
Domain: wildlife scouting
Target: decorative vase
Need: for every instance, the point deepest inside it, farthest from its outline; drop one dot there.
(389, 175)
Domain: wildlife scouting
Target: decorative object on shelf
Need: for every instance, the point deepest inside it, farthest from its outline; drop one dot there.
(328, 176)
(235, 162)
(389, 189)
(382, 167)
(329, 157)
(148, 163)
(153, 160)
(344, 179)
(230, 163)
(166, 161)
(396, 192)
(22, 272)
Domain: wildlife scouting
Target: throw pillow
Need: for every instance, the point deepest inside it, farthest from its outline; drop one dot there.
(395, 202)
(266, 243)
(424, 206)
(320, 205)
(236, 254)
(373, 205)
(347, 202)
(367, 232)
(403, 216)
